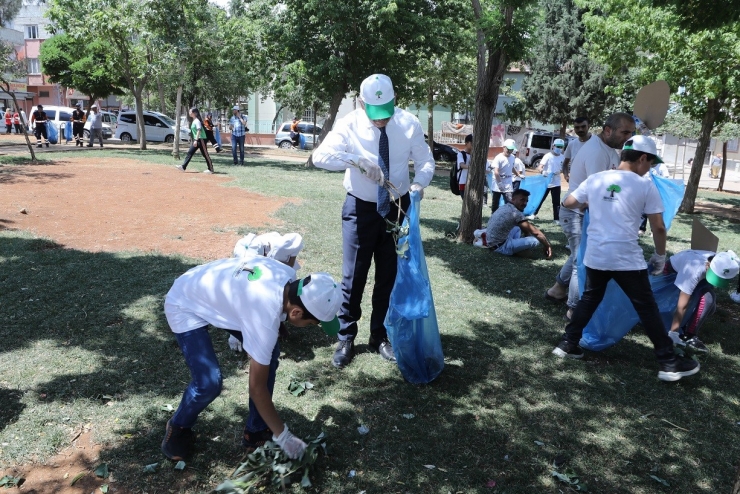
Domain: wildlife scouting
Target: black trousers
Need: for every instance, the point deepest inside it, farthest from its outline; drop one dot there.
(555, 194)
(78, 131)
(39, 132)
(198, 144)
(211, 138)
(364, 238)
(496, 198)
(636, 286)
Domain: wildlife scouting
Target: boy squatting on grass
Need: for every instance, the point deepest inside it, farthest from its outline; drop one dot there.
(616, 200)
(249, 297)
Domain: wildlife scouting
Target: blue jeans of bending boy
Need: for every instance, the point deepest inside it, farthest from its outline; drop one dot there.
(516, 243)
(206, 380)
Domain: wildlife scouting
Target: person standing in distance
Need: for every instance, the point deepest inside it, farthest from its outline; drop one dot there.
(96, 126)
(372, 144)
(78, 125)
(552, 164)
(239, 129)
(521, 171)
(503, 169)
(616, 200)
(596, 155)
(39, 118)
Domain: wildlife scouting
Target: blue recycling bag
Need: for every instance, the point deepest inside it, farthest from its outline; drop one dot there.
(411, 320)
(52, 133)
(537, 187)
(615, 316)
(68, 131)
(217, 135)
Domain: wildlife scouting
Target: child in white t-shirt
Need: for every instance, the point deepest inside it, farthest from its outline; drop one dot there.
(247, 296)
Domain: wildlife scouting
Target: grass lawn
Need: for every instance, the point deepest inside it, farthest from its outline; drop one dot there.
(85, 341)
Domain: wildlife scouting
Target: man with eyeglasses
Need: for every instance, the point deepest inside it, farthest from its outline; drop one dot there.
(598, 154)
(373, 146)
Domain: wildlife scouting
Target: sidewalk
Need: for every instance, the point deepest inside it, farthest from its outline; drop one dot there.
(732, 177)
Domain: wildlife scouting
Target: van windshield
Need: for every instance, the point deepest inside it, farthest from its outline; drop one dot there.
(167, 120)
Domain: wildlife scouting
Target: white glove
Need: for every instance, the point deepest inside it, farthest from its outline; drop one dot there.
(371, 170)
(292, 445)
(656, 263)
(417, 188)
(235, 344)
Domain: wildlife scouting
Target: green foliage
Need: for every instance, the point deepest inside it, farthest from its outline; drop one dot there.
(703, 14)
(8, 10)
(681, 125)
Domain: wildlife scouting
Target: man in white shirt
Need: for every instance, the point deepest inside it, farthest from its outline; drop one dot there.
(503, 169)
(597, 154)
(521, 171)
(248, 297)
(581, 128)
(373, 145)
(616, 200)
(552, 164)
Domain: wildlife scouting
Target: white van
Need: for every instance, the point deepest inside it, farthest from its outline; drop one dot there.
(57, 115)
(534, 145)
(159, 127)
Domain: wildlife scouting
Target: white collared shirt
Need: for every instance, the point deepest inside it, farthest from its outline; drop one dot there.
(355, 136)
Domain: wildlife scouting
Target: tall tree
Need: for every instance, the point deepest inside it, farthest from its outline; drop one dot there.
(502, 36)
(563, 82)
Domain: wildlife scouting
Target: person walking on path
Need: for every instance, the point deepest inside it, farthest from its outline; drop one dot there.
(78, 125)
(208, 125)
(96, 126)
(39, 118)
(239, 130)
(372, 144)
(199, 142)
(616, 200)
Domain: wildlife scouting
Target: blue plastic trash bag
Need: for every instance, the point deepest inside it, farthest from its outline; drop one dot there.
(68, 131)
(411, 319)
(302, 141)
(615, 316)
(671, 193)
(537, 187)
(217, 135)
(52, 133)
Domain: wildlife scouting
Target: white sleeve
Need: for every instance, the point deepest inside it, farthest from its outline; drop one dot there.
(653, 202)
(332, 152)
(422, 157)
(581, 194)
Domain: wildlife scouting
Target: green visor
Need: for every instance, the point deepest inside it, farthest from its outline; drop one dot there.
(380, 112)
(715, 280)
(330, 327)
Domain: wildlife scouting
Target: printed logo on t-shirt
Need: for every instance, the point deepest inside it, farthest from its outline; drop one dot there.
(612, 189)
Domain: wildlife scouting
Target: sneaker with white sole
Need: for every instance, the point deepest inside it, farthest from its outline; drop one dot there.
(677, 368)
(180, 167)
(695, 344)
(735, 296)
(676, 338)
(565, 349)
(208, 172)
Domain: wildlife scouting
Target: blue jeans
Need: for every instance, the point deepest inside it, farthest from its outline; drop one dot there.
(516, 243)
(572, 224)
(237, 141)
(206, 380)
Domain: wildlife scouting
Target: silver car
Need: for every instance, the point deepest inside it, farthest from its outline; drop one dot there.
(306, 129)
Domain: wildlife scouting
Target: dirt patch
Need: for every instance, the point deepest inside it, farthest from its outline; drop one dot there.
(714, 208)
(123, 204)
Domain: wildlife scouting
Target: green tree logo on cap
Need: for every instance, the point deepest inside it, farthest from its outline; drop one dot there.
(614, 188)
(378, 94)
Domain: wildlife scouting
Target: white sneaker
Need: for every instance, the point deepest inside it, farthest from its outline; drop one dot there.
(735, 296)
(180, 167)
(673, 335)
(208, 172)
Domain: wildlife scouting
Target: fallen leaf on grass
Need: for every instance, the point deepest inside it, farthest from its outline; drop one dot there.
(151, 468)
(104, 488)
(101, 471)
(491, 484)
(76, 478)
(7, 481)
(658, 479)
(180, 465)
(167, 408)
(430, 467)
(363, 429)
(297, 388)
(539, 443)
(408, 415)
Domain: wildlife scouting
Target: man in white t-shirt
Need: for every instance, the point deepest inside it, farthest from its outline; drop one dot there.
(552, 164)
(521, 171)
(248, 297)
(596, 155)
(581, 128)
(502, 166)
(616, 200)
(697, 273)
(463, 163)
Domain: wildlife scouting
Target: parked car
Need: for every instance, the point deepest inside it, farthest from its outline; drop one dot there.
(109, 125)
(159, 127)
(535, 144)
(56, 115)
(442, 152)
(306, 129)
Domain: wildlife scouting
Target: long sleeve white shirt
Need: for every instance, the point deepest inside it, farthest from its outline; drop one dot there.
(355, 136)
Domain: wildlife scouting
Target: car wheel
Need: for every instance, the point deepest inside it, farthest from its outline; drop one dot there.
(285, 145)
(126, 137)
(169, 139)
(536, 163)
(86, 133)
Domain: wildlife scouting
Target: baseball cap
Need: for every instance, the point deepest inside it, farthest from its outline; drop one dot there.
(722, 269)
(322, 297)
(236, 107)
(94, 106)
(377, 93)
(78, 104)
(644, 144)
(510, 144)
(559, 143)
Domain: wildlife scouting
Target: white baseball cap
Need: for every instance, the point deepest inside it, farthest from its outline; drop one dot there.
(236, 107)
(377, 93)
(644, 144)
(722, 269)
(322, 297)
(510, 144)
(559, 143)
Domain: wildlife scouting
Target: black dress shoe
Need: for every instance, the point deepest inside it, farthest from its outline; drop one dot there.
(384, 348)
(344, 353)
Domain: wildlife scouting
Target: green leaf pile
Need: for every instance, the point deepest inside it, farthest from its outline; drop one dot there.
(297, 388)
(269, 465)
(571, 478)
(8, 481)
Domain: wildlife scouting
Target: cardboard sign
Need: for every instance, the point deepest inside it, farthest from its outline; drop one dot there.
(651, 104)
(702, 238)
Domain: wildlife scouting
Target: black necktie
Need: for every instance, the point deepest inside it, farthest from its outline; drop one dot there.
(384, 199)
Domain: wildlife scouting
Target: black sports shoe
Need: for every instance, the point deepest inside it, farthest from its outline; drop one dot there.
(677, 368)
(695, 344)
(254, 440)
(566, 349)
(384, 348)
(344, 353)
(177, 442)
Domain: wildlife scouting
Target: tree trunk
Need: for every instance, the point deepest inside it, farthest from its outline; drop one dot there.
(492, 65)
(336, 100)
(140, 118)
(277, 114)
(430, 118)
(178, 110)
(162, 102)
(707, 123)
(724, 167)
(736, 488)
(23, 124)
